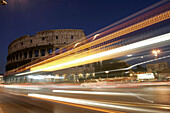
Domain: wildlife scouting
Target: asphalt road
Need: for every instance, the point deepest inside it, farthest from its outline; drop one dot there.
(151, 99)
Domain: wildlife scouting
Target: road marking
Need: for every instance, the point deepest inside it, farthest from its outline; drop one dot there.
(147, 100)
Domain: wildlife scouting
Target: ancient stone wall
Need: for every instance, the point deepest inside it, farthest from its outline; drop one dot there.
(28, 48)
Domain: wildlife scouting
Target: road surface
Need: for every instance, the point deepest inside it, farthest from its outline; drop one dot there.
(148, 99)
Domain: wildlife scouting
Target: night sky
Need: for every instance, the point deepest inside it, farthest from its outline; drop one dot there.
(21, 17)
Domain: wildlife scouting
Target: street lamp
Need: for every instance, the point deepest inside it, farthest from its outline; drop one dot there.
(156, 52)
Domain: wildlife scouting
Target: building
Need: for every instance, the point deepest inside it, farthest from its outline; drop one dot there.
(45, 43)
(28, 48)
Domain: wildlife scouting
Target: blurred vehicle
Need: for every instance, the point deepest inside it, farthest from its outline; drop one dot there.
(93, 83)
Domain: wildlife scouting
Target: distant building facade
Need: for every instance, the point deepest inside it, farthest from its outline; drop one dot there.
(28, 48)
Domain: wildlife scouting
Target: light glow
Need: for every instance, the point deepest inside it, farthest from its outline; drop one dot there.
(95, 36)
(44, 77)
(92, 92)
(156, 52)
(76, 44)
(129, 55)
(22, 87)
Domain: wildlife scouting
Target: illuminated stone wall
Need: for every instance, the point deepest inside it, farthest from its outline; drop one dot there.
(28, 48)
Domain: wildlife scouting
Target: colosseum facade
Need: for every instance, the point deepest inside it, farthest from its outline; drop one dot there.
(28, 48)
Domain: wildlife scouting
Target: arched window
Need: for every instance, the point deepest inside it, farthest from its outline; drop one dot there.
(57, 48)
(43, 38)
(25, 54)
(72, 37)
(30, 54)
(49, 50)
(43, 52)
(20, 55)
(56, 37)
(36, 53)
(17, 57)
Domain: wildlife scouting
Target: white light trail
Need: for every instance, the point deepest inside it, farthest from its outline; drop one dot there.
(19, 74)
(90, 103)
(129, 55)
(76, 44)
(95, 36)
(22, 87)
(44, 77)
(92, 92)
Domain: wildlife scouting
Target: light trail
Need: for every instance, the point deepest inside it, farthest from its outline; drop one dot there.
(117, 50)
(139, 64)
(90, 103)
(140, 44)
(22, 87)
(92, 92)
(129, 17)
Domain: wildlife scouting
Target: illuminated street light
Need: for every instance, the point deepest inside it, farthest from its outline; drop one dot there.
(2, 2)
(156, 52)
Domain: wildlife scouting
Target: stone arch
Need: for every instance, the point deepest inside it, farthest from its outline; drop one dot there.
(80, 75)
(64, 75)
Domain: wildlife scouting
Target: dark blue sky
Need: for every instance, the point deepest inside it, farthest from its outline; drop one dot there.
(21, 17)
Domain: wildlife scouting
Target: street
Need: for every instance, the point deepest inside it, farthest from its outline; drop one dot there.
(148, 99)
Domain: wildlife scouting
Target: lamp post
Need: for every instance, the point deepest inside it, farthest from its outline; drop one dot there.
(156, 52)
(107, 72)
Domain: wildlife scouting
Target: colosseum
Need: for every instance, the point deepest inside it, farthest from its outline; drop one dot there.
(28, 48)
